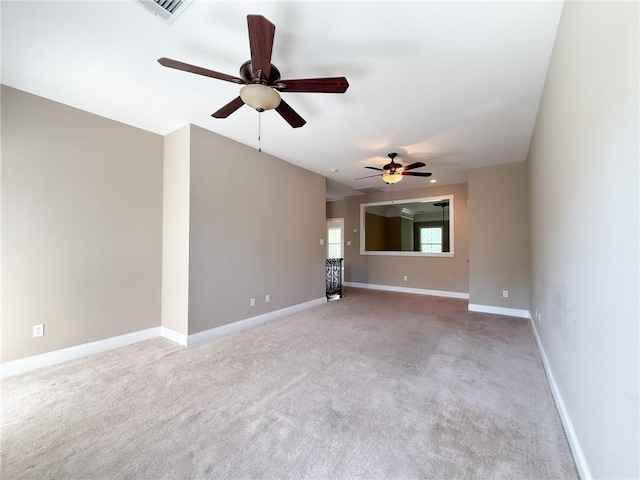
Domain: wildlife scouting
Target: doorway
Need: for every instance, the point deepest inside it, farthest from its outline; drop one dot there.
(335, 240)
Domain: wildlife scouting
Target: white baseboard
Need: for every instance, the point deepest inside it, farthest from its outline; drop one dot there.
(27, 364)
(418, 291)
(576, 449)
(195, 338)
(176, 337)
(511, 312)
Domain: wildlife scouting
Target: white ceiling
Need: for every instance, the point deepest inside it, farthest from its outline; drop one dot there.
(453, 84)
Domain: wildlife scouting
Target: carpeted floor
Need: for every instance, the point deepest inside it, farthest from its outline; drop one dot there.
(375, 385)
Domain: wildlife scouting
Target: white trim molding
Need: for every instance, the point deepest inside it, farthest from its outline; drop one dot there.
(399, 203)
(175, 337)
(574, 443)
(511, 312)
(198, 337)
(27, 364)
(418, 291)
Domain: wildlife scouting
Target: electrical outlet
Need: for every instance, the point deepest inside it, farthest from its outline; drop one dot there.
(252, 302)
(267, 298)
(505, 293)
(38, 330)
(348, 242)
(404, 279)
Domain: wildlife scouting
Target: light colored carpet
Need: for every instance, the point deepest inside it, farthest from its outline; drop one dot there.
(376, 385)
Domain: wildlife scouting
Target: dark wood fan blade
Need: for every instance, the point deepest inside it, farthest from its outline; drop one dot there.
(375, 168)
(315, 85)
(229, 108)
(417, 174)
(261, 33)
(168, 62)
(413, 165)
(290, 115)
(368, 176)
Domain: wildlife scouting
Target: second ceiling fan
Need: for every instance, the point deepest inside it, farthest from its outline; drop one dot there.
(261, 79)
(393, 172)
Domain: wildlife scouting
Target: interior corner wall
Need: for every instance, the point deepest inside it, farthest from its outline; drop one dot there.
(255, 229)
(499, 236)
(335, 209)
(81, 226)
(584, 183)
(356, 266)
(175, 230)
(429, 273)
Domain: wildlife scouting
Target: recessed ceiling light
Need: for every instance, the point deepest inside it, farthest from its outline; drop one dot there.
(433, 180)
(334, 170)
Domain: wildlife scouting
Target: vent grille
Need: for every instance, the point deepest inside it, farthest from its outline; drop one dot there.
(368, 190)
(167, 10)
(169, 5)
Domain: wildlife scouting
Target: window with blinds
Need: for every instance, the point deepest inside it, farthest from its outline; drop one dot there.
(431, 239)
(334, 243)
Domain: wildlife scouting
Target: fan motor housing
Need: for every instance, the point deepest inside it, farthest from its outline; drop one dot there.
(246, 73)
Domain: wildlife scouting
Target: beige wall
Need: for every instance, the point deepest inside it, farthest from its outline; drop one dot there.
(356, 265)
(393, 233)
(432, 273)
(335, 209)
(85, 212)
(175, 230)
(406, 233)
(584, 172)
(252, 233)
(499, 235)
(376, 226)
(81, 226)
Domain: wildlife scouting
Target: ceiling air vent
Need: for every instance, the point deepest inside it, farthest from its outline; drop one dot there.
(167, 10)
(368, 190)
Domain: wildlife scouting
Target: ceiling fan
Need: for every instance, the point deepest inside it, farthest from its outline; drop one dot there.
(261, 79)
(393, 172)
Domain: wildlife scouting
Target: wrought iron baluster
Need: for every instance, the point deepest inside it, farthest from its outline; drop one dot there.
(334, 277)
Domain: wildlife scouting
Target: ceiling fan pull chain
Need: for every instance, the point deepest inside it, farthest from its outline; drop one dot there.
(259, 130)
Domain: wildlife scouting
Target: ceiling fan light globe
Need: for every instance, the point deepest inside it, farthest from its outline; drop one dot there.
(391, 178)
(260, 97)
